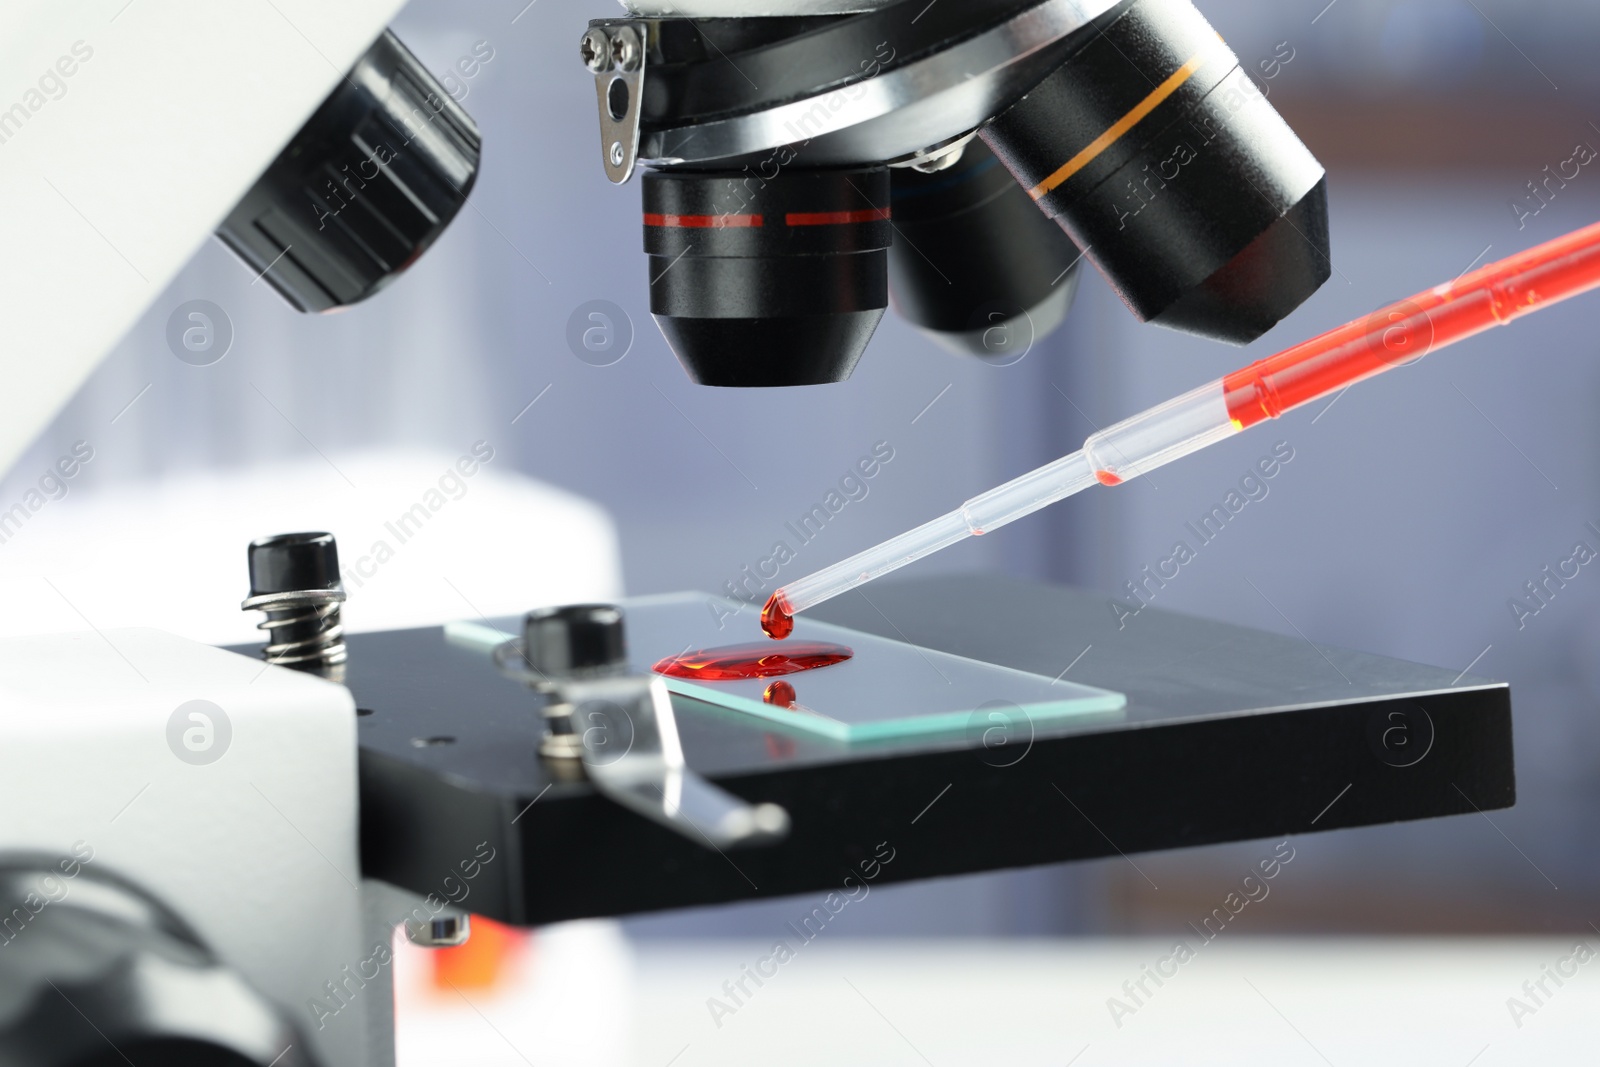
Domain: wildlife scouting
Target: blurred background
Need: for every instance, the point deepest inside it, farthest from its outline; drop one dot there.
(1414, 509)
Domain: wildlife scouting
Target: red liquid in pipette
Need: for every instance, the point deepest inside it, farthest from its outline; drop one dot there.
(738, 663)
(1107, 478)
(777, 621)
(1407, 331)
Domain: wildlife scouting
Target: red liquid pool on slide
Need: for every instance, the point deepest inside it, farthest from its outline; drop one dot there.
(740, 662)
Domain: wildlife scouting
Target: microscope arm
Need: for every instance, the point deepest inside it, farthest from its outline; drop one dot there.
(129, 133)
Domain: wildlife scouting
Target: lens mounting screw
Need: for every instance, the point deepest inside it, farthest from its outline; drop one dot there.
(625, 48)
(595, 48)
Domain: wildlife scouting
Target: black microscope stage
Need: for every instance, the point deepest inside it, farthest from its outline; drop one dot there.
(1229, 734)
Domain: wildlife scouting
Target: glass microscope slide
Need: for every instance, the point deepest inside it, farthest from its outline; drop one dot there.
(885, 690)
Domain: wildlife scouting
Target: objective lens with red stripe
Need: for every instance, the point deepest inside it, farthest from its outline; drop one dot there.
(768, 281)
(702, 222)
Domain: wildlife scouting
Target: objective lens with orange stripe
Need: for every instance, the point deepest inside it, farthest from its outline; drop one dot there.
(1164, 162)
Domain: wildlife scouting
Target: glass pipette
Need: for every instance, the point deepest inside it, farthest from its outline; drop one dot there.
(1391, 337)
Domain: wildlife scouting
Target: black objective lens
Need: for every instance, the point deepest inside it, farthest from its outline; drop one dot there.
(370, 181)
(768, 282)
(974, 263)
(578, 639)
(1164, 162)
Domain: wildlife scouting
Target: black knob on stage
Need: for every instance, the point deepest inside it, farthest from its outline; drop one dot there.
(768, 282)
(292, 562)
(577, 640)
(1166, 164)
(294, 578)
(370, 181)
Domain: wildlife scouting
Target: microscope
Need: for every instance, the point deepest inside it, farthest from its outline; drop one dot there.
(805, 167)
(802, 164)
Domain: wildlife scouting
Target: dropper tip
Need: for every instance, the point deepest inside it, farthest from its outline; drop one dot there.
(777, 620)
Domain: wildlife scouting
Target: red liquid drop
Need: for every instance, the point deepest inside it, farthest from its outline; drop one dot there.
(779, 747)
(1107, 478)
(1408, 330)
(780, 694)
(740, 662)
(777, 621)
